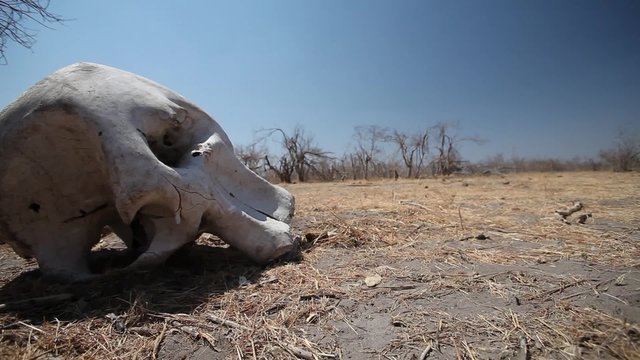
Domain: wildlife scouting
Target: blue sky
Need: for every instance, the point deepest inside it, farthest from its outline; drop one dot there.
(544, 78)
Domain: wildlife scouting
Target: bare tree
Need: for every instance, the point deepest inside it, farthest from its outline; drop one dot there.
(421, 144)
(14, 16)
(301, 155)
(328, 169)
(626, 155)
(343, 167)
(353, 158)
(447, 153)
(406, 151)
(283, 168)
(368, 140)
(252, 156)
(413, 150)
(448, 156)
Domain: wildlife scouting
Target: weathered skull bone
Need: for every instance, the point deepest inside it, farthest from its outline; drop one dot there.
(92, 145)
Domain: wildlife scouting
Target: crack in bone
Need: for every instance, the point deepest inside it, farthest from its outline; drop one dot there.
(178, 212)
(84, 214)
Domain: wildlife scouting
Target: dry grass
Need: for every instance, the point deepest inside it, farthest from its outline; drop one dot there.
(471, 268)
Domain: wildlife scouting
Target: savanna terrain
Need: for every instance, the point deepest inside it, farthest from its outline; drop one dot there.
(440, 268)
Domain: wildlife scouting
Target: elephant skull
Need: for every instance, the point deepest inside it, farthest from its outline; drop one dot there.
(92, 146)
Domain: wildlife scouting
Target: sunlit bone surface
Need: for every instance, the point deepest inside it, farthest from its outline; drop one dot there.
(92, 145)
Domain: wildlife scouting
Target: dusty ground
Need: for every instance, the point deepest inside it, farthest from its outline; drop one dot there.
(460, 268)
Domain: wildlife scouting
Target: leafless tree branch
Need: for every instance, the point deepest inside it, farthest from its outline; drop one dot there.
(15, 15)
(368, 139)
(301, 155)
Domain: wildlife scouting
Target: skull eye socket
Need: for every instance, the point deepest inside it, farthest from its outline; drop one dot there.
(166, 140)
(170, 146)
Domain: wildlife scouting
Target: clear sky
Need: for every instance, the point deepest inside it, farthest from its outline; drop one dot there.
(543, 78)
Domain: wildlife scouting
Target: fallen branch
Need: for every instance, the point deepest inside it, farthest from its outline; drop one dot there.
(28, 303)
(158, 341)
(575, 294)
(615, 298)
(392, 287)
(319, 296)
(555, 290)
(524, 351)
(477, 237)
(469, 351)
(30, 327)
(224, 322)
(577, 206)
(425, 353)
(297, 352)
(593, 288)
(460, 216)
(413, 203)
(455, 346)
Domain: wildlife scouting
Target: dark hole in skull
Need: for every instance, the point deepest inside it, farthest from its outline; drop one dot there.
(113, 252)
(140, 239)
(171, 146)
(35, 207)
(167, 141)
(110, 253)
